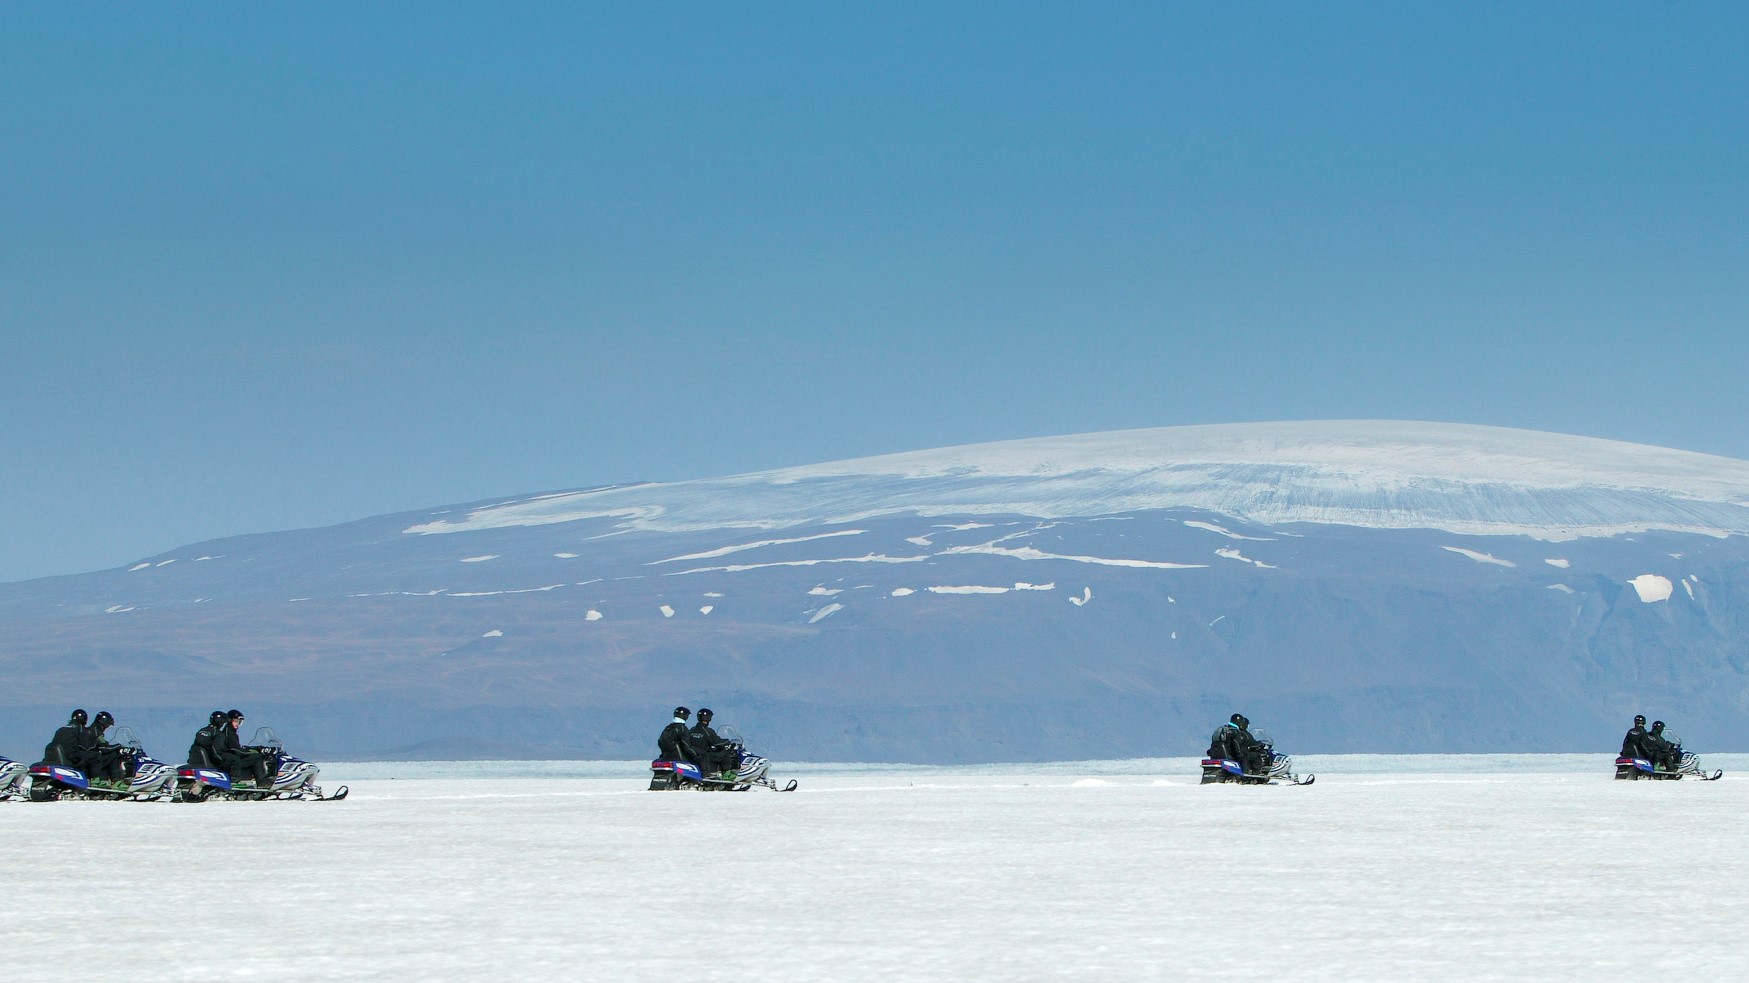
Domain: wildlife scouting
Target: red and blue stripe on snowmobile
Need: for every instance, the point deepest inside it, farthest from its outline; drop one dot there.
(685, 770)
(205, 776)
(70, 777)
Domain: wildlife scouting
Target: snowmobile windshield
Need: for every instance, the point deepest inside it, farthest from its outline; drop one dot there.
(1263, 737)
(1672, 738)
(264, 737)
(123, 736)
(731, 734)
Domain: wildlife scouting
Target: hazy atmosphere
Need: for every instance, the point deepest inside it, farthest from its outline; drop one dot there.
(949, 414)
(286, 268)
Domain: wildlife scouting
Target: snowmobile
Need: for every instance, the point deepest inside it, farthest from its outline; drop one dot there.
(14, 780)
(1639, 769)
(1219, 770)
(289, 777)
(148, 778)
(668, 775)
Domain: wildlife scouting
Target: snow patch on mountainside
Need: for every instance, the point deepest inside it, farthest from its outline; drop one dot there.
(1033, 553)
(972, 589)
(1233, 554)
(743, 567)
(1479, 557)
(988, 590)
(726, 550)
(1652, 588)
(1222, 530)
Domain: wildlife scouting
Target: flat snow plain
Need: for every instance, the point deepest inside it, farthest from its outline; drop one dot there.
(1389, 868)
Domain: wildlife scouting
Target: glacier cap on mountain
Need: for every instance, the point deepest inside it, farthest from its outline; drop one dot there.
(1369, 473)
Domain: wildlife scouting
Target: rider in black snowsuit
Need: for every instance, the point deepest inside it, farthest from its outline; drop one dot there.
(1634, 744)
(204, 752)
(715, 755)
(1247, 750)
(106, 760)
(72, 744)
(1662, 750)
(675, 743)
(1233, 741)
(1221, 742)
(234, 757)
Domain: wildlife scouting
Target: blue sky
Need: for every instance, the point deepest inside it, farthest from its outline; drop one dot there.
(287, 267)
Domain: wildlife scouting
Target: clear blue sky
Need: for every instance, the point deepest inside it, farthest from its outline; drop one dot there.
(282, 267)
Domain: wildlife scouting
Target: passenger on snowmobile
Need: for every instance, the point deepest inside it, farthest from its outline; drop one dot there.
(675, 742)
(237, 759)
(1634, 744)
(1233, 741)
(1221, 743)
(204, 752)
(714, 755)
(72, 744)
(1660, 749)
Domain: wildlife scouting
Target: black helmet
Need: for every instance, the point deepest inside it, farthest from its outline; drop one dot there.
(1639, 720)
(1236, 718)
(1657, 725)
(216, 717)
(234, 715)
(682, 712)
(704, 713)
(104, 719)
(77, 717)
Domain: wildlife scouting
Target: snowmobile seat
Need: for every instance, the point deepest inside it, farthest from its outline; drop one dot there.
(200, 757)
(53, 755)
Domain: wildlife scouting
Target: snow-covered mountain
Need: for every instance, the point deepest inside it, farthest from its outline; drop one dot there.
(1370, 474)
(1354, 585)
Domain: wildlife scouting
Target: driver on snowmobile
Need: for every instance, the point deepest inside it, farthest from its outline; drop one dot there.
(715, 755)
(236, 758)
(674, 743)
(1634, 744)
(1661, 749)
(72, 744)
(107, 760)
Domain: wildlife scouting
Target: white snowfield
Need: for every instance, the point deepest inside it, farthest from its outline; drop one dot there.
(1430, 868)
(1459, 478)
